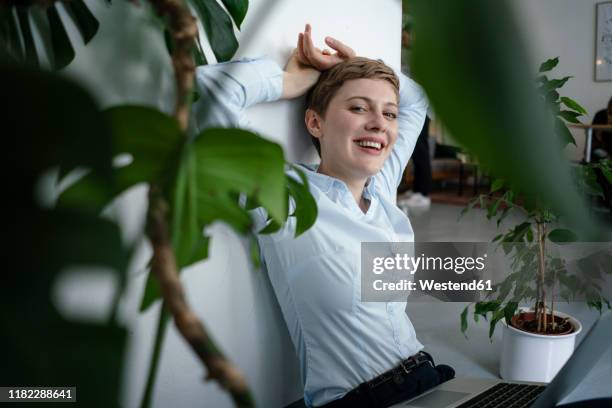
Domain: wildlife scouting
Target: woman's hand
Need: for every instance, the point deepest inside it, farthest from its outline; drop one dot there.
(321, 59)
(307, 61)
(298, 77)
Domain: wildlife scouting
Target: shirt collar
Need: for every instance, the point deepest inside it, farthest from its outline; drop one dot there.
(325, 182)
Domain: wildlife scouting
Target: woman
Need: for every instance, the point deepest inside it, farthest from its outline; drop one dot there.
(364, 121)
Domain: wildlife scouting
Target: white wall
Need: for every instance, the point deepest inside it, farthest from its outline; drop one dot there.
(127, 63)
(566, 28)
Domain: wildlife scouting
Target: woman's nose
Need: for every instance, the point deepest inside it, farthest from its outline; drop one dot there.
(376, 122)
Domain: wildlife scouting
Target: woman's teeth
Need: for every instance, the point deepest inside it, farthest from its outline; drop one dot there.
(368, 143)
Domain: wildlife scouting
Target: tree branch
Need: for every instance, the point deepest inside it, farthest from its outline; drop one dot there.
(183, 28)
(163, 266)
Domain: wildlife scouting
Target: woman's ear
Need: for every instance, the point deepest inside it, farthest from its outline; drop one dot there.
(313, 123)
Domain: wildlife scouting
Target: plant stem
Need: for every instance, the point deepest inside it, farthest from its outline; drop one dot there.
(164, 268)
(183, 28)
(552, 301)
(159, 340)
(541, 293)
(543, 274)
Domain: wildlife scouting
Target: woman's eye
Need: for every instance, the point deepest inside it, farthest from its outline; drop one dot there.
(391, 115)
(358, 109)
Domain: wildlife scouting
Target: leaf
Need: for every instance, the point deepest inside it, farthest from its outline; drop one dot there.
(85, 21)
(482, 308)
(570, 116)
(234, 160)
(198, 54)
(254, 251)
(503, 215)
(497, 316)
(607, 173)
(513, 121)
(217, 166)
(270, 228)
(9, 35)
(218, 27)
(237, 9)
(62, 110)
(305, 205)
(497, 185)
(563, 133)
(570, 103)
(70, 347)
(151, 292)
(509, 310)
(555, 84)
(492, 209)
(468, 207)
(551, 97)
(560, 235)
(529, 235)
(63, 53)
(190, 244)
(28, 41)
(54, 252)
(549, 64)
(151, 138)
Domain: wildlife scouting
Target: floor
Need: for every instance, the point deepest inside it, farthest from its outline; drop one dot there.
(444, 223)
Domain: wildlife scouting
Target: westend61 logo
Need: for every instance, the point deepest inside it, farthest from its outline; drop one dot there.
(457, 271)
(473, 271)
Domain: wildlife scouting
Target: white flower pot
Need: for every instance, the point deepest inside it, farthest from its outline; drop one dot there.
(535, 357)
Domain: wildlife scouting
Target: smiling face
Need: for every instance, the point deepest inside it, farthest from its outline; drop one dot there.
(358, 130)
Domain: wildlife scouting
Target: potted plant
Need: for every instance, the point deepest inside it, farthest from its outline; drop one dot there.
(537, 341)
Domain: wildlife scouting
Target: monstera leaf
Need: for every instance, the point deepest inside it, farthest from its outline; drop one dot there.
(15, 22)
(16, 29)
(45, 343)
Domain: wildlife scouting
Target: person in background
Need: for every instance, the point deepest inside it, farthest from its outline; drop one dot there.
(421, 159)
(602, 149)
(602, 142)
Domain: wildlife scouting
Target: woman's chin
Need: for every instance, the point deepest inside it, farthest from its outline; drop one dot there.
(369, 171)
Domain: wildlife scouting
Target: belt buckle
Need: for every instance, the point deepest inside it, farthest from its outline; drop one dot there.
(407, 371)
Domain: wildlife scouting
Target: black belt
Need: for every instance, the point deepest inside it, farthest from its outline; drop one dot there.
(396, 374)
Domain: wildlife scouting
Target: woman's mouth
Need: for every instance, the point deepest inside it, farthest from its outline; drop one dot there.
(370, 147)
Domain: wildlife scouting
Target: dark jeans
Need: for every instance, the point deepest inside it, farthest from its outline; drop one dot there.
(396, 390)
(422, 162)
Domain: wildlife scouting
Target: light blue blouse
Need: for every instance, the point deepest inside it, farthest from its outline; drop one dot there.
(340, 340)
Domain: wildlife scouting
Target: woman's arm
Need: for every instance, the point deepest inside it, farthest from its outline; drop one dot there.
(227, 89)
(411, 116)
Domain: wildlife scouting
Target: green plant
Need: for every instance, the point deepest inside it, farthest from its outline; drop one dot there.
(526, 242)
(17, 39)
(194, 180)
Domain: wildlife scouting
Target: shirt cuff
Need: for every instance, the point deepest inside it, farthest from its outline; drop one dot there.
(261, 78)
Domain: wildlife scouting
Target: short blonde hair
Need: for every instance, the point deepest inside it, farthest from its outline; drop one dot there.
(330, 81)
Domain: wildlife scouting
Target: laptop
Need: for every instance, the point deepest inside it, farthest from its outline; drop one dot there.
(471, 392)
